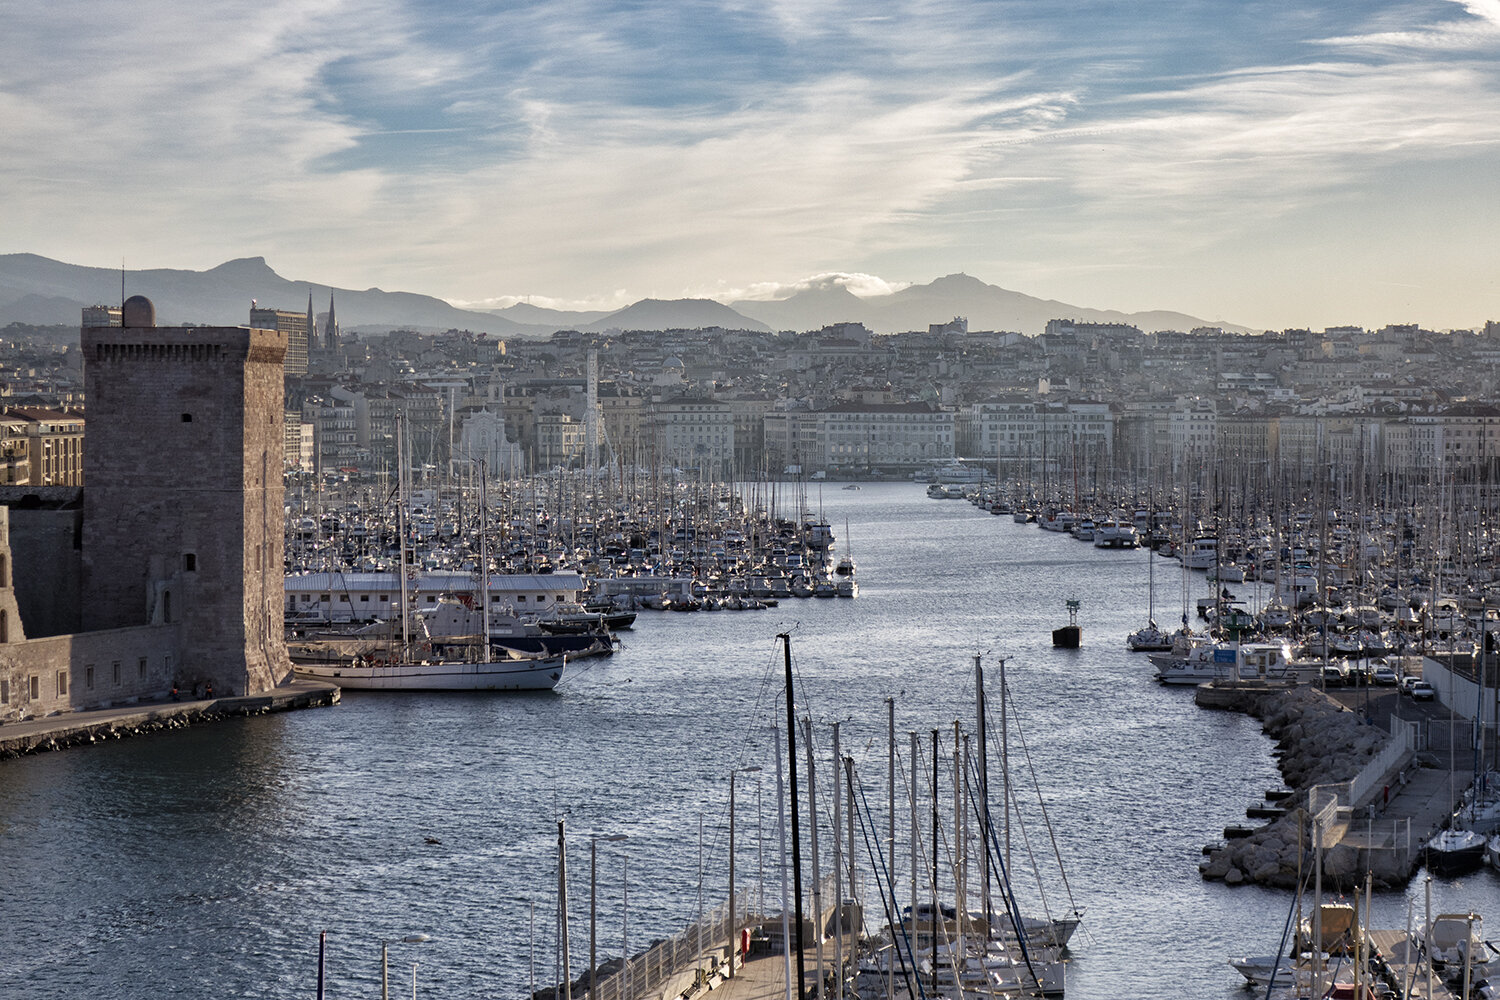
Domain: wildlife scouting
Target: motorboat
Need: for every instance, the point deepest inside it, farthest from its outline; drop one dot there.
(570, 617)
(1201, 553)
(1113, 533)
(1455, 938)
(452, 626)
(1265, 661)
(1259, 970)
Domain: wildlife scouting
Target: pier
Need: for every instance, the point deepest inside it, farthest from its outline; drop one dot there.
(696, 960)
(58, 732)
(1392, 794)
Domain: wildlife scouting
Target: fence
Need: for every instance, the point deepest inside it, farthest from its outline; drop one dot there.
(672, 967)
(1358, 828)
(1373, 776)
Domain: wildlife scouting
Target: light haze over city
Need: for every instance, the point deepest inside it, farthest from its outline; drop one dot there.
(1266, 164)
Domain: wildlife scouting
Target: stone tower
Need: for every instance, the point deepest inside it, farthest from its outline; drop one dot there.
(183, 498)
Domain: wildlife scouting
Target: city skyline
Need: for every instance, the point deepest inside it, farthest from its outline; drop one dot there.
(1275, 168)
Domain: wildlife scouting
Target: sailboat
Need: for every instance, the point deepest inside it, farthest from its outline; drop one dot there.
(403, 668)
(1037, 932)
(1151, 638)
(844, 582)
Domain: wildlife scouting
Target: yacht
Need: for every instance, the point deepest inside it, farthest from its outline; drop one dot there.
(1115, 534)
(1201, 553)
(1266, 661)
(407, 673)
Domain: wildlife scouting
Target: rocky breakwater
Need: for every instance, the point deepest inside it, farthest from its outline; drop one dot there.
(1318, 742)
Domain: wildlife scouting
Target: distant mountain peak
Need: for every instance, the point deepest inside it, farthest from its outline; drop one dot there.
(244, 267)
(671, 314)
(949, 284)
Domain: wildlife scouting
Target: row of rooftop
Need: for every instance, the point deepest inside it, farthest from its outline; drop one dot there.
(847, 400)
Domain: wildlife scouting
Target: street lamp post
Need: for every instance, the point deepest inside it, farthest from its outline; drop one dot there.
(385, 943)
(734, 931)
(593, 905)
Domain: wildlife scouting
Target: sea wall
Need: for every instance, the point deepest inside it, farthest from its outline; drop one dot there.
(83, 729)
(1318, 742)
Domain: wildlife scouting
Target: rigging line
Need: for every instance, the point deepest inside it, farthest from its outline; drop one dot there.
(1014, 717)
(1012, 907)
(1031, 852)
(798, 680)
(1286, 928)
(888, 900)
(937, 925)
(1036, 870)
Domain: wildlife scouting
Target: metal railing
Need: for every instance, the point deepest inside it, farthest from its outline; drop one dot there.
(1373, 775)
(682, 963)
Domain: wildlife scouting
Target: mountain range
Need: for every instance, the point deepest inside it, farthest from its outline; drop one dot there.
(38, 290)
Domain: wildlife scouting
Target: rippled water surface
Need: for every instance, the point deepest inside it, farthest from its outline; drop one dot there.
(204, 863)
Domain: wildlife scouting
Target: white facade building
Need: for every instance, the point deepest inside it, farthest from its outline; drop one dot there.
(694, 432)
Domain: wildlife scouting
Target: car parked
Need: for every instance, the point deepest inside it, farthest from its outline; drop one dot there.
(1407, 681)
(1382, 674)
(1422, 691)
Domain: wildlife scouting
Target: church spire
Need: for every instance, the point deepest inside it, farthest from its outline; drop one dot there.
(312, 326)
(331, 331)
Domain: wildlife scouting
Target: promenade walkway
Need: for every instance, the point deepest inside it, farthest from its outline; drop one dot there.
(56, 732)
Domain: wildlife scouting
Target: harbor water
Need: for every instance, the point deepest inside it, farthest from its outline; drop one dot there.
(205, 862)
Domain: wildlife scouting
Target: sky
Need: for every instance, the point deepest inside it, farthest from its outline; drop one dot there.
(1275, 165)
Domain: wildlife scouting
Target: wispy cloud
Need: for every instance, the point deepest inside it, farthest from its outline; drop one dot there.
(862, 285)
(485, 151)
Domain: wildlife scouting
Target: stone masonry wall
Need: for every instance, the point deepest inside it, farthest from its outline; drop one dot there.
(40, 677)
(185, 431)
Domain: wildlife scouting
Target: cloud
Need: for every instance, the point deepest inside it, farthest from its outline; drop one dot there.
(1488, 10)
(619, 298)
(478, 151)
(863, 285)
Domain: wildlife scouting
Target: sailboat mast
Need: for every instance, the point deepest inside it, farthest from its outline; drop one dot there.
(984, 793)
(960, 901)
(1005, 758)
(890, 707)
(791, 742)
(484, 565)
(838, 867)
(401, 501)
(562, 907)
(915, 827)
(937, 912)
(817, 872)
(786, 935)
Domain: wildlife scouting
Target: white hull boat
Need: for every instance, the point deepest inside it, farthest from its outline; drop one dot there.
(494, 675)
